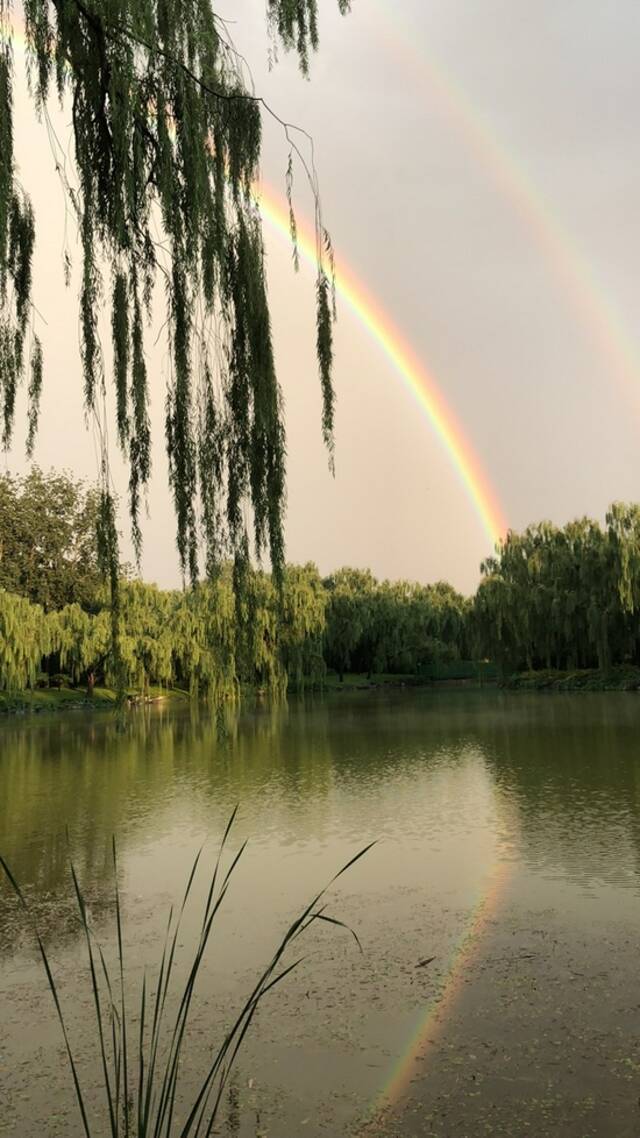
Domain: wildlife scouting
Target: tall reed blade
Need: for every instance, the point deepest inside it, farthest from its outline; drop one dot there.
(123, 1008)
(156, 1087)
(96, 1001)
(53, 989)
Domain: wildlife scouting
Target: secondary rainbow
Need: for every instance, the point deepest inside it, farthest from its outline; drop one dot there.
(415, 376)
(618, 347)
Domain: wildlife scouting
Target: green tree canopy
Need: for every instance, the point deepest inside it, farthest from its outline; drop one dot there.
(26, 635)
(564, 598)
(391, 626)
(48, 547)
(166, 140)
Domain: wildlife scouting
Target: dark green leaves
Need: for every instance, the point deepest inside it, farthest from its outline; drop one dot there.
(167, 143)
(563, 598)
(120, 336)
(17, 234)
(35, 390)
(324, 347)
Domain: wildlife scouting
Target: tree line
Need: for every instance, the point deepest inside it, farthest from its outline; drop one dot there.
(564, 598)
(195, 638)
(55, 616)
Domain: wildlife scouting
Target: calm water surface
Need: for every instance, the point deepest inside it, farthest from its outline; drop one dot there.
(508, 849)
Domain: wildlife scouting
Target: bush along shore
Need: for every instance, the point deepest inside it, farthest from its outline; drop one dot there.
(623, 678)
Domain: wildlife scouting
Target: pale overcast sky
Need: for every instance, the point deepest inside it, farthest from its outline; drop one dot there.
(480, 173)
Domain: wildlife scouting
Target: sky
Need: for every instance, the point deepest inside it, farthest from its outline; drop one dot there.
(479, 167)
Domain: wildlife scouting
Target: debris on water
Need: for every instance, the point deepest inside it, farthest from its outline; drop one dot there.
(423, 963)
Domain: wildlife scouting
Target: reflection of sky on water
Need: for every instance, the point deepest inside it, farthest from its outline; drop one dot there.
(445, 783)
(449, 785)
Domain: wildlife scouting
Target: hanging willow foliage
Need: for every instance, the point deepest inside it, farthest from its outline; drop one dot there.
(563, 598)
(167, 145)
(26, 635)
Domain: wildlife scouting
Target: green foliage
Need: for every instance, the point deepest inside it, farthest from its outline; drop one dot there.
(203, 634)
(302, 622)
(625, 677)
(563, 598)
(48, 550)
(192, 639)
(560, 603)
(166, 140)
(295, 23)
(26, 635)
(35, 391)
(399, 626)
(17, 236)
(108, 562)
(83, 641)
(349, 591)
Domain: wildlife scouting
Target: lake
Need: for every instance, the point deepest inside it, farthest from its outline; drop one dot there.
(498, 989)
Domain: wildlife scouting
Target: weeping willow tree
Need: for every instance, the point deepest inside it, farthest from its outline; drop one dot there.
(301, 626)
(83, 642)
(26, 635)
(391, 626)
(146, 638)
(563, 598)
(166, 139)
(204, 639)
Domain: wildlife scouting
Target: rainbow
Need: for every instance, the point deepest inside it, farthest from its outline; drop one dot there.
(431, 1021)
(415, 376)
(569, 264)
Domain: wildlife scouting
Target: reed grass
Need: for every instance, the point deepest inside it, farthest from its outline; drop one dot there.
(140, 1076)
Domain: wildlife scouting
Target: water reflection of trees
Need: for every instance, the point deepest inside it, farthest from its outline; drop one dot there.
(566, 770)
(93, 779)
(570, 766)
(565, 766)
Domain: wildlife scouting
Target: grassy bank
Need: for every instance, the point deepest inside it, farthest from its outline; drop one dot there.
(75, 699)
(622, 678)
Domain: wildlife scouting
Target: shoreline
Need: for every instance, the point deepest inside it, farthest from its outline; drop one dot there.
(624, 678)
(54, 700)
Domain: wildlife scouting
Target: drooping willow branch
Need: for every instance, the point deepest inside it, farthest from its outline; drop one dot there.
(167, 145)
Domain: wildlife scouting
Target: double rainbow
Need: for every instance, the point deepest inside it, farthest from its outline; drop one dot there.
(417, 379)
(570, 266)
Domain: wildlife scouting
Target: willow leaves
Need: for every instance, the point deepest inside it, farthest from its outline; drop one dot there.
(167, 143)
